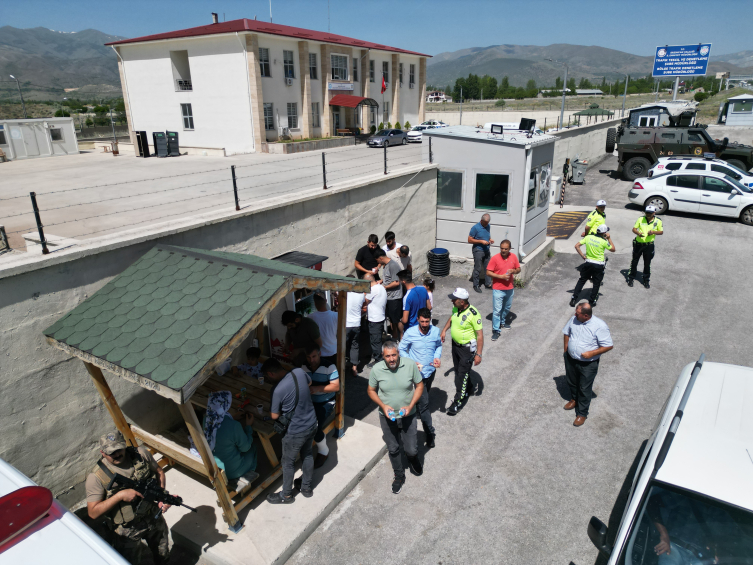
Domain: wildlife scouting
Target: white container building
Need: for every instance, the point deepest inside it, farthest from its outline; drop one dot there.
(38, 137)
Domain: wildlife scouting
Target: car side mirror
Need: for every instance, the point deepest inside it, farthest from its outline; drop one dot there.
(735, 191)
(392, 134)
(597, 532)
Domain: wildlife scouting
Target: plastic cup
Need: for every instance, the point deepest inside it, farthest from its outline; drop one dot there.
(261, 380)
(260, 409)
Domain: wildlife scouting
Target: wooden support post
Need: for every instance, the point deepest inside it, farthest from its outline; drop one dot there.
(110, 403)
(261, 337)
(213, 472)
(342, 317)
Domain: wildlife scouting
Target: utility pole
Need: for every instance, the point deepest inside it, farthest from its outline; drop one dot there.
(21, 95)
(461, 105)
(674, 90)
(564, 90)
(624, 96)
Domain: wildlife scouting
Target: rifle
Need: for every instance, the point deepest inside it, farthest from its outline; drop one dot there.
(150, 490)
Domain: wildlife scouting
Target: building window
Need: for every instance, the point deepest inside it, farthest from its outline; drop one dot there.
(357, 113)
(3, 140)
(412, 76)
(269, 118)
(315, 120)
(355, 69)
(400, 67)
(371, 71)
(287, 57)
(56, 134)
(181, 70)
(373, 114)
(386, 114)
(292, 115)
(187, 112)
(491, 192)
(386, 71)
(264, 62)
(339, 67)
(449, 189)
(313, 72)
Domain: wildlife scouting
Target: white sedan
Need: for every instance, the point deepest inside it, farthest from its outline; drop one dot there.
(415, 134)
(704, 192)
(693, 163)
(435, 123)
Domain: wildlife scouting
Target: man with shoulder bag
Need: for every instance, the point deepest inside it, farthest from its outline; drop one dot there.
(295, 421)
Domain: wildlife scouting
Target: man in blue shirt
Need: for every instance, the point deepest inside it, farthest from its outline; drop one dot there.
(325, 382)
(423, 344)
(586, 339)
(416, 298)
(480, 237)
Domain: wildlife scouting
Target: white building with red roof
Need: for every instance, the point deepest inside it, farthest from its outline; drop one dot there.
(237, 85)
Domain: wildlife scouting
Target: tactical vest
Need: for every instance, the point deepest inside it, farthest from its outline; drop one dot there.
(124, 513)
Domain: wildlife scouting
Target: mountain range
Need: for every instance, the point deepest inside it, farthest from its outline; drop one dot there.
(521, 63)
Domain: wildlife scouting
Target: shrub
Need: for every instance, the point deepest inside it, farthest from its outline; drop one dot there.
(389, 125)
(380, 127)
(700, 96)
(62, 114)
(407, 125)
(499, 103)
(89, 122)
(397, 125)
(372, 130)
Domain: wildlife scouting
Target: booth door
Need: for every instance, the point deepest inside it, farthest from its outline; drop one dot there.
(30, 141)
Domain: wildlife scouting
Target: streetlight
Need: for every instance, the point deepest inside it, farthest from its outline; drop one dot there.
(564, 89)
(21, 95)
(627, 78)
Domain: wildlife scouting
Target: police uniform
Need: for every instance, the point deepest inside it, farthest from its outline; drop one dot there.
(463, 328)
(593, 268)
(127, 525)
(594, 220)
(643, 246)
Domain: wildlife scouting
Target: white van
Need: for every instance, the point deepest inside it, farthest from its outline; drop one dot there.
(691, 501)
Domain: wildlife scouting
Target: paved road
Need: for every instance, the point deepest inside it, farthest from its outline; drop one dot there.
(511, 480)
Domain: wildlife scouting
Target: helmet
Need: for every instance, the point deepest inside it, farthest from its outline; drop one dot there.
(602, 229)
(601, 203)
(650, 209)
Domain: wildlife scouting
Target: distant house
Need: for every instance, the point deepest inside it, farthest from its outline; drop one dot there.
(437, 96)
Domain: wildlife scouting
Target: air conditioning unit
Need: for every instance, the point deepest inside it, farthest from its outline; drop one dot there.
(288, 81)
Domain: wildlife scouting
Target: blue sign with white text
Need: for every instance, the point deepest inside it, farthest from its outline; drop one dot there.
(681, 60)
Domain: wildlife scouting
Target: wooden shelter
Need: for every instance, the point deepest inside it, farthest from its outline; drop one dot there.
(167, 322)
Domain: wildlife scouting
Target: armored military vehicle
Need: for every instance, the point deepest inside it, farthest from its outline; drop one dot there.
(668, 128)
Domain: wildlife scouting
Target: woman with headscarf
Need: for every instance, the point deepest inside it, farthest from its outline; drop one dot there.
(231, 442)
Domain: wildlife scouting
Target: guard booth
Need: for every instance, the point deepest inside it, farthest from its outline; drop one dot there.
(482, 171)
(169, 321)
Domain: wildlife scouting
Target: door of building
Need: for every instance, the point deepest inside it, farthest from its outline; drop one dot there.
(30, 141)
(336, 116)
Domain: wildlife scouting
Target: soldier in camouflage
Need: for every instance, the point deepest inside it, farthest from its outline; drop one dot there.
(119, 508)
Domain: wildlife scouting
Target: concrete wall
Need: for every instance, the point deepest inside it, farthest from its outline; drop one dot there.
(51, 415)
(740, 134)
(587, 141)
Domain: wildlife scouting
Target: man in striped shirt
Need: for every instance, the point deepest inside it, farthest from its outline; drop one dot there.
(325, 382)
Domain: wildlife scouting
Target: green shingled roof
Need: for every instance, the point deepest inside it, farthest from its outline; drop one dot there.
(171, 312)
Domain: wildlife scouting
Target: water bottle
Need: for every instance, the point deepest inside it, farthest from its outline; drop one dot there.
(393, 416)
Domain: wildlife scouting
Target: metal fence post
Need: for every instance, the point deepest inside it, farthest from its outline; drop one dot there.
(385, 157)
(33, 195)
(431, 155)
(324, 171)
(235, 188)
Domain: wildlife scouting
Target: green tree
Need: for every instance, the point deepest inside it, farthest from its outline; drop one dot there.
(488, 87)
(571, 85)
(381, 126)
(397, 125)
(62, 114)
(585, 83)
(448, 90)
(558, 84)
(89, 122)
(407, 125)
(499, 104)
(101, 109)
(473, 87)
(459, 86)
(531, 85)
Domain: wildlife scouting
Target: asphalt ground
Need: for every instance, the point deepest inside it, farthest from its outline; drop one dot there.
(511, 480)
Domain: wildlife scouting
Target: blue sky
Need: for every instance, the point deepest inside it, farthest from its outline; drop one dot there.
(428, 26)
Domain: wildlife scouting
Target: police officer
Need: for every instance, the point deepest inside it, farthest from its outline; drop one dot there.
(595, 218)
(118, 506)
(593, 268)
(467, 343)
(646, 229)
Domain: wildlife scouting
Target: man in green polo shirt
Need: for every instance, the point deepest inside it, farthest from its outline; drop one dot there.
(645, 229)
(467, 342)
(593, 268)
(396, 385)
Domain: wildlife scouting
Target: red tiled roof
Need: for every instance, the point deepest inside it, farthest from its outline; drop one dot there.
(348, 100)
(256, 26)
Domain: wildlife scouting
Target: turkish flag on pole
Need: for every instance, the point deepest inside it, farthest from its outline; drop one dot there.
(384, 85)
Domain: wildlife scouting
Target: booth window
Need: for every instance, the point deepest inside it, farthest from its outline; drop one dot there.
(355, 69)
(313, 71)
(532, 189)
(339, 67)
(264, 62)
(449, 189)
(288, 64)
(56, 134)
(315, 115)
(371, 71)
(292, 115)
(269, 119)
(187, 112)
(491, 191)
(3, 140)
(743, 106)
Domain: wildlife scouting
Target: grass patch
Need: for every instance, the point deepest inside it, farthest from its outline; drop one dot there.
(550, 254)
(517, 283)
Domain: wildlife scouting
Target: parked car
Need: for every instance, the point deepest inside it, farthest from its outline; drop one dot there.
(57, 536)
(435, 123)
(415, 134)
(387, 137)
(691, 499)
(704, 192)
(692, 163)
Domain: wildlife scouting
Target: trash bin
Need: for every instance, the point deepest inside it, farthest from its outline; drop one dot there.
(439, 262)
(578, 171)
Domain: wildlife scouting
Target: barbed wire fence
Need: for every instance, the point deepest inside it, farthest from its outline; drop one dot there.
(135, 202)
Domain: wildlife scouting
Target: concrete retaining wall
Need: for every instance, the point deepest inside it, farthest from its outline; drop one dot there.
(50, 414)
(301, 146)
(588, 141)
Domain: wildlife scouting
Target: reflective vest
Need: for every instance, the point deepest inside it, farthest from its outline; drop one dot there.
(464, 325)
(595, 248)
(125, 512)
(643, 226)
(593, 221)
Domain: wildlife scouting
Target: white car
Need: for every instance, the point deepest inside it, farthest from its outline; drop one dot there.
(666, 164)
(691, 499)
(415, 134)
(435, 123)
(58, 536)
(704, 192)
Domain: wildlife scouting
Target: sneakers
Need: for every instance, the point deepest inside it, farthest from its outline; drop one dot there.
(430, 439)
(573, 300)
(279, 498)
(592, 303)
(415, 466)
(298, 483)
(495, 335)
(645, 283)
(505, 327)
(397, 484)
(630, 282)
(477, 289)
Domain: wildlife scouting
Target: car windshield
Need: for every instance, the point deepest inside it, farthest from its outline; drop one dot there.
(737, 184)
(419, 128)
(382, 132)
(677, 526)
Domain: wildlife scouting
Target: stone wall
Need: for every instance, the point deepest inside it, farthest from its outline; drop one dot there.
(50, 413)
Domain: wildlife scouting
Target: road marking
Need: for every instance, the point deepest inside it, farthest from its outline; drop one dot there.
(561, 225)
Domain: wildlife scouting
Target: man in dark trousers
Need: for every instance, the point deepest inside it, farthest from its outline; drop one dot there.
(645, 229)
(586, 339)
(593, 268)
(480, 238)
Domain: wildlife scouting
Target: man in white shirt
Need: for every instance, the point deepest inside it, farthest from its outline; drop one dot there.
(376, 302)
(397, 251)
(353, 321)
(326, 319)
